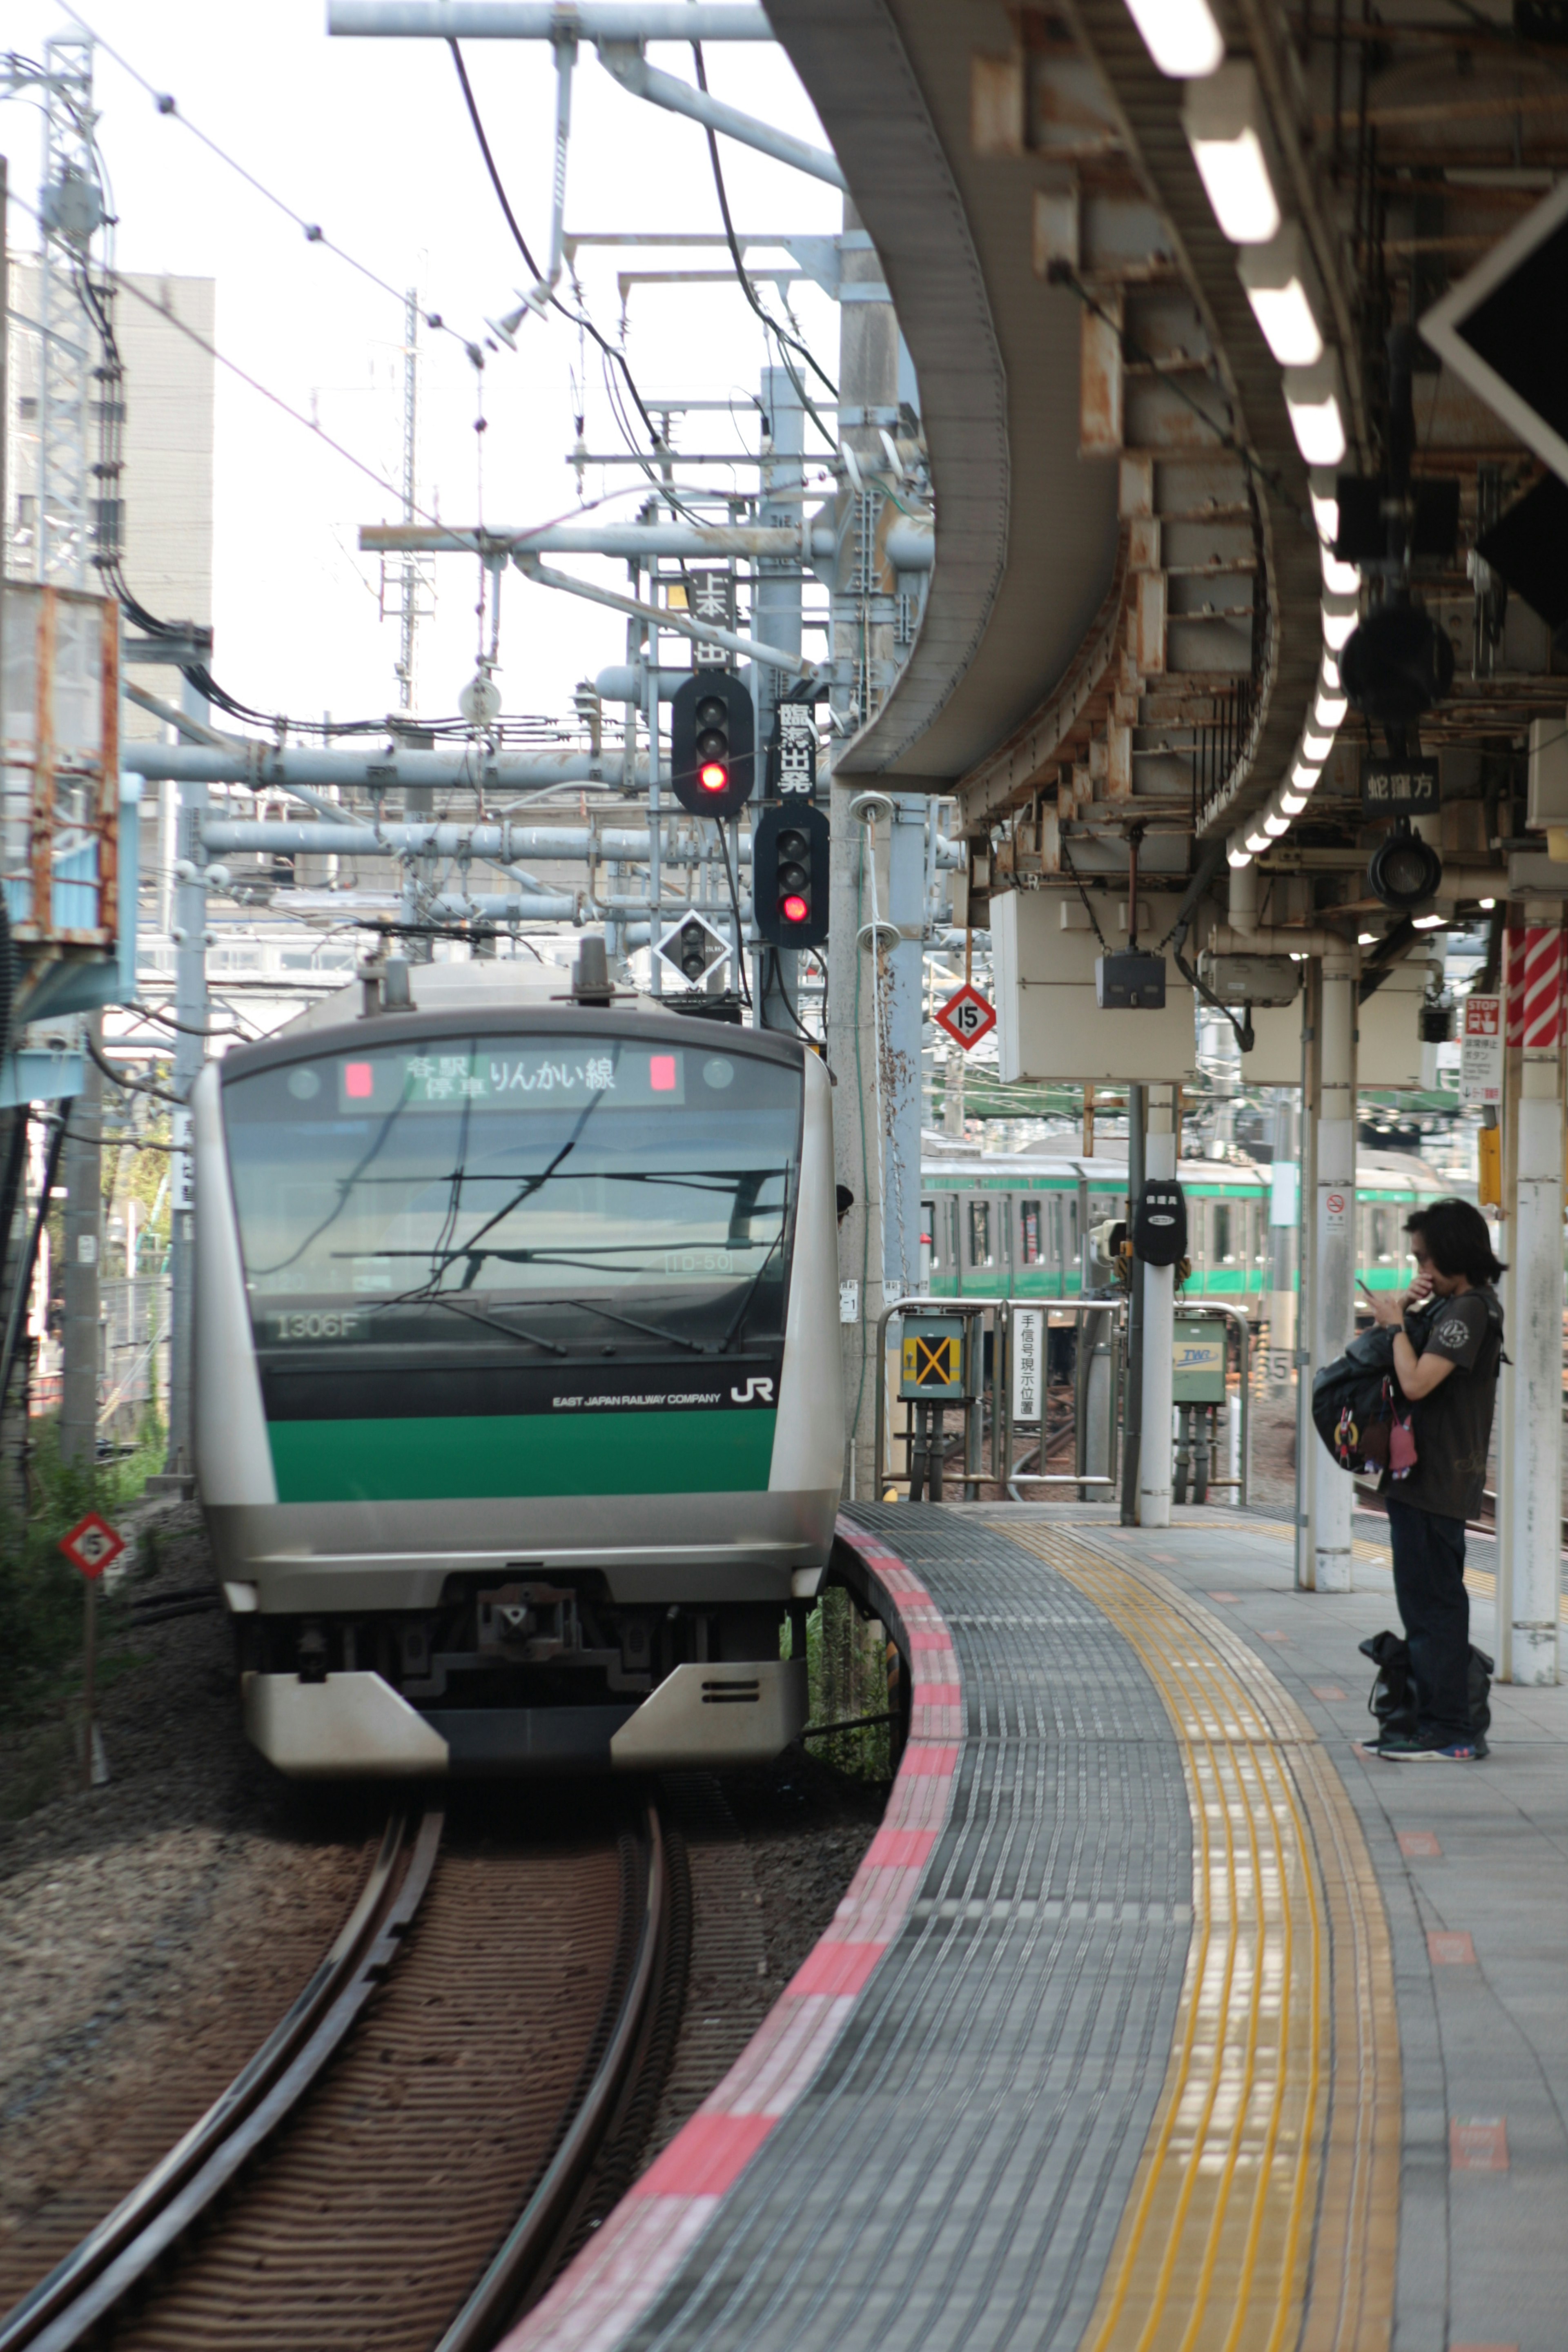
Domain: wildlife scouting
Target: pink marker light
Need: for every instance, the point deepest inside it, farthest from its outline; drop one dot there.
(661, 1072)
(358, 1081)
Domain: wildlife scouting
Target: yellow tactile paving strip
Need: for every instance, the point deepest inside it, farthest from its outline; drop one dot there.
(1264, 2212)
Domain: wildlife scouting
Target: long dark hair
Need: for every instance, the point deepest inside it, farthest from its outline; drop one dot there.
(1457, 1238)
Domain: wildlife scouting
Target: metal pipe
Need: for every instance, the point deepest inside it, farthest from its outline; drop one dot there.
(625, 60)
(910, 543)
(262, 767)
(547, 20)
(700, 631)
(634, 541)
(502, 844)
(485, 906)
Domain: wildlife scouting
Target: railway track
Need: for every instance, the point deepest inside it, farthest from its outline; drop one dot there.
(464, 2082)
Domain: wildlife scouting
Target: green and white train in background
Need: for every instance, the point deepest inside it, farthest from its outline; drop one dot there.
(518, 1421)
(1018, 1227)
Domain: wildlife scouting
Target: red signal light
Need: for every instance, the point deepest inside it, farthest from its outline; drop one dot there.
(358, 1081)
(794, 909)
(713, 776)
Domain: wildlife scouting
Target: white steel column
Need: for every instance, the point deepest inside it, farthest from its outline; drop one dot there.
(1535, 1341)
(1333, 1288)
(1159, 1332)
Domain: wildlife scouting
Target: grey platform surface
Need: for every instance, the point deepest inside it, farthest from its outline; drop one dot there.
(1483, 2254)
(955, 2175)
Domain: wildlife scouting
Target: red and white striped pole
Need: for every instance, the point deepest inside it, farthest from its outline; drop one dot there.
(1533, 1535)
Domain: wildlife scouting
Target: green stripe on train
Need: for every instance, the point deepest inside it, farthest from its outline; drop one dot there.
(502, 1455)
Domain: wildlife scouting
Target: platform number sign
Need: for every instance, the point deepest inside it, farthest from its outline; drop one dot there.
(967, 1017)
(92, 1545)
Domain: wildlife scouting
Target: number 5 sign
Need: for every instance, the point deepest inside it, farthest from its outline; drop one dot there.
(966, 1017)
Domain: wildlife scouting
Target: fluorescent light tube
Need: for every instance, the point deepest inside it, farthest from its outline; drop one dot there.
(1286, 293)
(1339, 579)
(1227, 133)
(1181, 35)
(1325, 495)
(1315, 398)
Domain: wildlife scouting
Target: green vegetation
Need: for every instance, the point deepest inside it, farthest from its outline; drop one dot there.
(40, 1592)
(847, 1670)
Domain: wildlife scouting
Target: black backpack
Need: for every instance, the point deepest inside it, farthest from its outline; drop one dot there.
(1354, 1400)
(1393, 1698)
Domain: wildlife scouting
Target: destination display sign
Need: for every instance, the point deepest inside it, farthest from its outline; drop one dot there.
(499, 1078)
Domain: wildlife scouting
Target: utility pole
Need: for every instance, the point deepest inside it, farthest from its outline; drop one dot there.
(83, 1248)
(412, 578)
(190, 1051)
(777, 621)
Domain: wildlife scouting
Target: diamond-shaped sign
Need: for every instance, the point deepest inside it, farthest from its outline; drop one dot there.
(967, 1017)
(92, 1544)
(1493, 329)
(692, 948)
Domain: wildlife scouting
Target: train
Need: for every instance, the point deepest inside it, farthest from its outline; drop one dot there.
(518, 1415)
(1018, 1225)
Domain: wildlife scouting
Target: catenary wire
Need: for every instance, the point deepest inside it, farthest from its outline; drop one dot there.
(312, 231)
(781, 335)
(581, 321)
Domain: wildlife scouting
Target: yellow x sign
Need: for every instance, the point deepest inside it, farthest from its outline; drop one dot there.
(931, 1363)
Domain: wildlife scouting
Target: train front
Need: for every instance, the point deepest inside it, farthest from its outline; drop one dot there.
(519, 1427)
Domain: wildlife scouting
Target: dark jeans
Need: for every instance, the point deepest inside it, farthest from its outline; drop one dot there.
(1429, 1583)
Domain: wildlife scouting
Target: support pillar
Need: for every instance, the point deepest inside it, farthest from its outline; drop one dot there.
(1133, 1406)
(1159, 1333)
(80, 1333)
(1283, 1227)
(1333, 1304)
(1534, 1535)
(873, 1010)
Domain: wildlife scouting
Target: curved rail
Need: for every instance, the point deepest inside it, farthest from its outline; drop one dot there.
(503, 2291)
(66, 2306)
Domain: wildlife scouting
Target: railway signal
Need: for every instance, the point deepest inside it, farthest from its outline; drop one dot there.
(692, 947)
(712, 743)
(789, 875)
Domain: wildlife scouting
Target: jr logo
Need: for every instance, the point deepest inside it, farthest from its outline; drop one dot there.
(757, 1391)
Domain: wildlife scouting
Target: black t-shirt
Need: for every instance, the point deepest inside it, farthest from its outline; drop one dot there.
(1454, 1425)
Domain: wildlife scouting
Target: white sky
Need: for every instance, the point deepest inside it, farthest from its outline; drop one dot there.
(372, 140)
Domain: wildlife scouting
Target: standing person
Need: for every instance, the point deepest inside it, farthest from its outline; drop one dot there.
(1447, 1350)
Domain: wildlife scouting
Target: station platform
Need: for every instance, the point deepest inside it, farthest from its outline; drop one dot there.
(1159, 2017)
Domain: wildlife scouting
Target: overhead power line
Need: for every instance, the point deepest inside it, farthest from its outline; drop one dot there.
(578, 320)
(780, 334)
(312, 231)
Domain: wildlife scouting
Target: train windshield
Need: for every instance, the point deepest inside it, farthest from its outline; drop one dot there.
(607, 1197)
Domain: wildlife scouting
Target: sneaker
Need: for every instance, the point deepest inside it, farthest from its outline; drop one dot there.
(1429, 1751)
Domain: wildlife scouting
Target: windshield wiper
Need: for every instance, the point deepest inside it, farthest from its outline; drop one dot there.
(475, 1314)
(749, 1293)
(634, 1323)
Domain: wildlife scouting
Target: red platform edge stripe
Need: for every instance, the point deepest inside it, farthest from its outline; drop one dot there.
(616, 2277)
